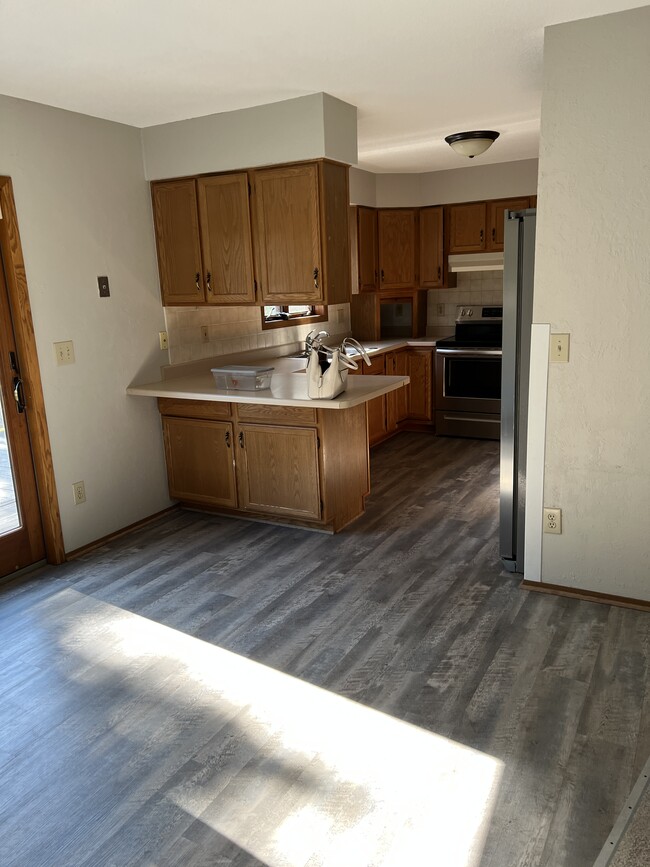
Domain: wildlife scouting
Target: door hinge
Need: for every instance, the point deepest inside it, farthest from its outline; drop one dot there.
(317, 442)
(322, 507)
(249, 188)
(0, 212)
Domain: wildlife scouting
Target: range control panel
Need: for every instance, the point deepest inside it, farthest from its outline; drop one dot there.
(478, 313)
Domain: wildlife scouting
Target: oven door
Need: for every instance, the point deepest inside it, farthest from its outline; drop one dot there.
(468, 392)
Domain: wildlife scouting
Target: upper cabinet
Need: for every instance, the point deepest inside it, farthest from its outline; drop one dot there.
(477, 227)
(300, 219)
(467, 228)
(176, 223)
(214, 242)
(397, 239)
(367, 248)
(496, 211)
(226, 239)
(431, 248)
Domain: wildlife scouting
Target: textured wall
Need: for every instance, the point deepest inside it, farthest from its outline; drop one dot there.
(84, 209)
(592, 280)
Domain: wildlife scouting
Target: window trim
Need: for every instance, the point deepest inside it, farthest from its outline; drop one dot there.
(319, 316)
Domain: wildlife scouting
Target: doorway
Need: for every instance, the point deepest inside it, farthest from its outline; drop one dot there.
(30, 525)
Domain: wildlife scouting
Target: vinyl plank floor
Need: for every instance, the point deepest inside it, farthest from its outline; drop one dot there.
(211, 691)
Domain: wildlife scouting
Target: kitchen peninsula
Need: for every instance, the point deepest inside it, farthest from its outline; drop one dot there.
(272, 455)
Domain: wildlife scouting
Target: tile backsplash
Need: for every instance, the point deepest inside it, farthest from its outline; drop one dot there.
(474, 287)
(237, 329)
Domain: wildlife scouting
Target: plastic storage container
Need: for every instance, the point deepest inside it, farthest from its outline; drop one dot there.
(242, 377)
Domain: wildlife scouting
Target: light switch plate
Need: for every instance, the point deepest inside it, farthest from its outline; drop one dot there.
(559, 347)
(64, 351)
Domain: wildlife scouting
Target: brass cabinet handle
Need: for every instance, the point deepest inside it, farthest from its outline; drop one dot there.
(241, 439)
(382, 275)
(19, 395)
(494, 234)
(481, 234)
(228, 438)
(197, 279)
(208, 279)
(315, 278)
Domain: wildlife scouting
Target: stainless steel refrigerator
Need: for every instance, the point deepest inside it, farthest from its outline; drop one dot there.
(518, 272)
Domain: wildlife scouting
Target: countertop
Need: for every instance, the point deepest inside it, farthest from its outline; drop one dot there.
(288, 386)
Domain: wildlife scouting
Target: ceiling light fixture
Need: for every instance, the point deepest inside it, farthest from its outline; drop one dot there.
(471, 144)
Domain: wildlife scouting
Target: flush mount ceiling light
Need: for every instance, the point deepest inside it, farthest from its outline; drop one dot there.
(471, 144)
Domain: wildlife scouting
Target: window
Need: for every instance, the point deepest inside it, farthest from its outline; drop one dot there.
(281, 315)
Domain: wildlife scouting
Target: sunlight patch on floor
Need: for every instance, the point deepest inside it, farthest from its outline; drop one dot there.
(328, 779)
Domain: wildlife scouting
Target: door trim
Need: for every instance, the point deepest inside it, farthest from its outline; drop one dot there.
(17, 289)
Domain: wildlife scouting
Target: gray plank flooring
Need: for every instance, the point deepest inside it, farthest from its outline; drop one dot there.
(209, 691)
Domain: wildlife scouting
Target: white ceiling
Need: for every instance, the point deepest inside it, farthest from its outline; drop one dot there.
(417, 70)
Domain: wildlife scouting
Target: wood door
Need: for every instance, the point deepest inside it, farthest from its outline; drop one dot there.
(21, 529)
(431, 248)
(225, 223)
(496, 211)
(420, 390)
(200, 461)
(467, 228)
(397, 248)
(367, 247)
(278, 470)
(376, 408)
(288, 249)
(176, 225)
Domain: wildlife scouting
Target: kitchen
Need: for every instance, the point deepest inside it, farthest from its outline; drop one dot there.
(99, 176)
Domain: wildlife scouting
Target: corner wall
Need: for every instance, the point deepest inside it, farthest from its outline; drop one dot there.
(592, 280)
(84, 210)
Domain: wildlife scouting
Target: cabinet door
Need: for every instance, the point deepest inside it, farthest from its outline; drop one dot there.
(420, 390)
(278, 470)
(396, 401)
(496, 211)
(286, 207)
(200, 465)
(226, 238)
(367, 246)
(431, 248)
(176, 224)
(376, 408)
(397, 249)
(467, 228)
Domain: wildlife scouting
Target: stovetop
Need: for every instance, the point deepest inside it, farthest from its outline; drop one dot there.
(476, 327)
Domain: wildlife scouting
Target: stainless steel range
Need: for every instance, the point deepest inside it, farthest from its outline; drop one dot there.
(468, 375)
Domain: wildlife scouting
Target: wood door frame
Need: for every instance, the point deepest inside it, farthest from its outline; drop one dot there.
(21, 312)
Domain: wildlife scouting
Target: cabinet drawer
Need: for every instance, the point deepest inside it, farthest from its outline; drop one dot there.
(276, 414)
(194, 408)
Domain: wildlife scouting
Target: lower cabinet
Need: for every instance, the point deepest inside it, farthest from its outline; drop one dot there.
(290, 464)
(411, 405)
(419, 367)
(377, 419)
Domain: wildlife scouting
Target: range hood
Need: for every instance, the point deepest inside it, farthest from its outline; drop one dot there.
(476, 262)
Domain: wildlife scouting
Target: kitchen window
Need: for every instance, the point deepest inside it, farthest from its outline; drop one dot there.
(282, 315)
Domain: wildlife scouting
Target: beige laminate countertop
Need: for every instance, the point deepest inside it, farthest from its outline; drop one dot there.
(288, 386)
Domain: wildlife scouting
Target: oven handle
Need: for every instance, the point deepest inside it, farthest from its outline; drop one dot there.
(469, 353)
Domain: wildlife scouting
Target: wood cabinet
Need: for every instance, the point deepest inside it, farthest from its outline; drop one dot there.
(364, 236)
(300, 218)
(176, 225)
(467, 228)
(191, 476)
(419, 367)
(397, 248)
(397, 401)
(495, 217)
(377, 418)
(224, 220)
(290, 464)
(431, 248)
(477, 227)
(213, 245)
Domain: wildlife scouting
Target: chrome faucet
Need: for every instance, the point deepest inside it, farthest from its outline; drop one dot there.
(313, 335)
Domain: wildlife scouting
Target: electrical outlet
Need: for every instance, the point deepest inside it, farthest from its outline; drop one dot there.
(553, 521)
(560, 347)
(205, 337)
(79, 493)
(164, 342)
(64, 351)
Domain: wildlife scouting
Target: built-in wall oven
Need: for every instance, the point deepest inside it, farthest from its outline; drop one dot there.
(468, 375)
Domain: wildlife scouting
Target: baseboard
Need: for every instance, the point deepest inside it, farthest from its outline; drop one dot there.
(586, 595)
(92, 546)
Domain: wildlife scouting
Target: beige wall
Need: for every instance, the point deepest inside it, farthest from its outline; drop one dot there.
(592, 280)
(467, 184)
(84, 210)
(311, 126)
